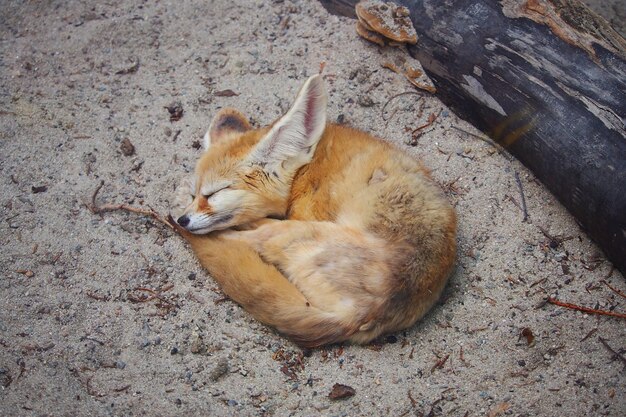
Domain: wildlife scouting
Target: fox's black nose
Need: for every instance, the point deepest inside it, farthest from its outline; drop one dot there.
(183, 220)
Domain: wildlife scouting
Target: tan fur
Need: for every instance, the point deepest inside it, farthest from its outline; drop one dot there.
(364, 246)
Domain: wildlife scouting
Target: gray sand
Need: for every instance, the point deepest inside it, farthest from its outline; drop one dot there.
(73, 342)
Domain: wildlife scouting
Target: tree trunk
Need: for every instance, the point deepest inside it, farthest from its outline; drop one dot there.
(547, 80)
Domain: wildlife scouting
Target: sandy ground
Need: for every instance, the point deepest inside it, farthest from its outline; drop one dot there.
(78, 80)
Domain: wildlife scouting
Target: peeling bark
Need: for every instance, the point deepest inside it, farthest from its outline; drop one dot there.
(547, 80)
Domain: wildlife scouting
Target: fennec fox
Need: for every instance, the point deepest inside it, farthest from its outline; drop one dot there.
(319, 230)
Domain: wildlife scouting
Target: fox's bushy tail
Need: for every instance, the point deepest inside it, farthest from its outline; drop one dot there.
(265, 293)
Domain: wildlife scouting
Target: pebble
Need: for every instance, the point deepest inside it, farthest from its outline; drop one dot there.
(127, 148)
(219, 370)
(197, 344)
(5, 377)
(365, 101)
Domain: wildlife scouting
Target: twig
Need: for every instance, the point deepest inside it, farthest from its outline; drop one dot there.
(413, 402)
(439, 363)
(616, 355)
(94, 195)
(166, 305)
(462, 356)
(615, 290)
(155, 294)
(554, 240)
(221, 299)
(592, 331)
(120, 389)
(430, 121)
(90, 390)
(96, 296)
(96, 209)
(101, 343)
(585, 309)
(382, 112)
(487, 140)
(521, 191)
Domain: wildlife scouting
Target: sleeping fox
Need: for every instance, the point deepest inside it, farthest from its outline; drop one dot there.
(319, 230)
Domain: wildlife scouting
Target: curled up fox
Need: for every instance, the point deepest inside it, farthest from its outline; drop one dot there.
(319, 230)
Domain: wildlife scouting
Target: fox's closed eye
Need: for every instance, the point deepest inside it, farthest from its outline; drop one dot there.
(209, 195)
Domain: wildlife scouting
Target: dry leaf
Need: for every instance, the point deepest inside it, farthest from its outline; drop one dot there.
(528, 334)
(341, 391)
(225, 93)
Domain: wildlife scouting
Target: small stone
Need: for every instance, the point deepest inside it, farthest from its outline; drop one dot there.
(44, 310)
(120, 364)
(5, 377)
(36, 189)
(197, 344)
(365, 101)
(127, 148)
(174, 350)
(176, 111)
(220, 369)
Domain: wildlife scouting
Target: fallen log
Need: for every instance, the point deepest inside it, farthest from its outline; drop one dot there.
(547, 80)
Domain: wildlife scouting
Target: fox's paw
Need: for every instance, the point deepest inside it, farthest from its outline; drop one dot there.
(183, 197)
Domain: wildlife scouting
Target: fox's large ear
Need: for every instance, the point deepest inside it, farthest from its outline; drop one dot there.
(227, 124)
(292, 140)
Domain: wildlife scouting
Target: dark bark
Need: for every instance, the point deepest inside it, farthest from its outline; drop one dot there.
(547, 80)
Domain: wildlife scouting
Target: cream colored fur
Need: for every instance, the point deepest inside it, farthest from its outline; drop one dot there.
(319, 230)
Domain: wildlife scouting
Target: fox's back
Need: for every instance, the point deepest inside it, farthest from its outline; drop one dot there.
(367, 184)
(364, 182)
